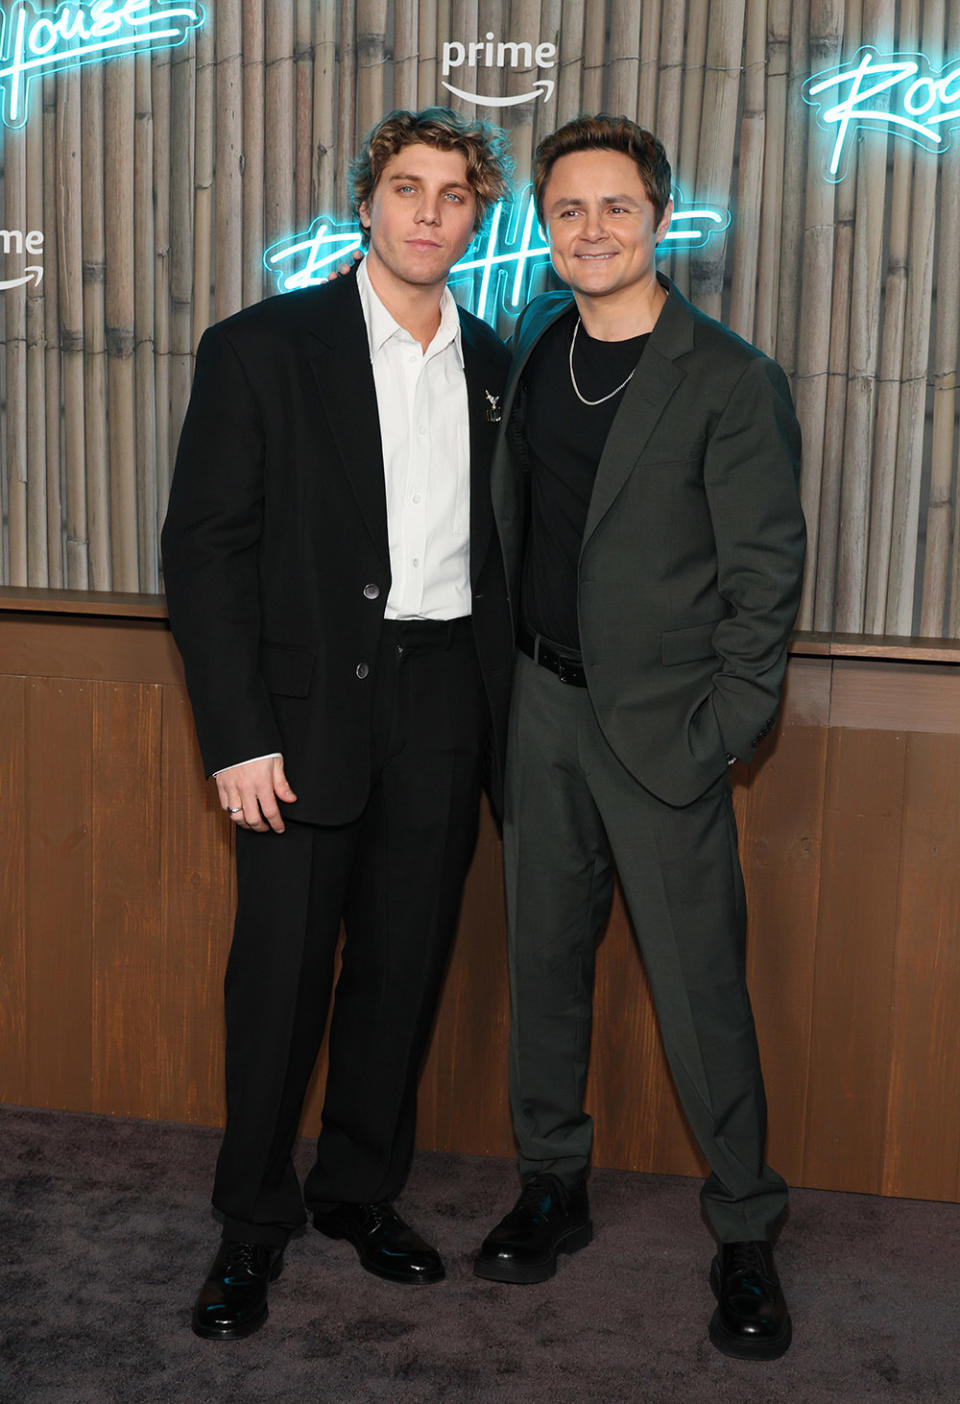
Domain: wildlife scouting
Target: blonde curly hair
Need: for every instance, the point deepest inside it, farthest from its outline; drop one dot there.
(483, 146)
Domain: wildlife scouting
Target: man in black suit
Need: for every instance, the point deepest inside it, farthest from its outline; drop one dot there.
(646, 495)
(336, 589)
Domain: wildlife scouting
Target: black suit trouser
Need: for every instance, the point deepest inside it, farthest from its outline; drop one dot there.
(572, 811)
(395, 877)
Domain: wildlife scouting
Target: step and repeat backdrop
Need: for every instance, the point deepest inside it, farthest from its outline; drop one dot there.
(162, 165)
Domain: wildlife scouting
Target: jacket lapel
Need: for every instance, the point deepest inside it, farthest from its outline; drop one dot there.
(339, 355)
(645, 400)
(482, 375)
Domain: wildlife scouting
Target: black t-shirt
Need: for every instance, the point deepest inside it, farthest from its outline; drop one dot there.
(564, 440)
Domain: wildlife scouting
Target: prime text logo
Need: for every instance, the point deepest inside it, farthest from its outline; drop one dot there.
(18, 241)
(492, 53)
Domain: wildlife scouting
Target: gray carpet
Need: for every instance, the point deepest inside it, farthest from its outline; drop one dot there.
(106, 1233)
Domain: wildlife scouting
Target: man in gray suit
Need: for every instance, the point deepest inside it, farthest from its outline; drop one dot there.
(646, 496)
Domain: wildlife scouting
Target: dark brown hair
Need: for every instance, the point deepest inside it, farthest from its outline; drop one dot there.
(483, 146)
(606, 133)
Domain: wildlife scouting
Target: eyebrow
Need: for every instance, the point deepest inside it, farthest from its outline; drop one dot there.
(605, 199)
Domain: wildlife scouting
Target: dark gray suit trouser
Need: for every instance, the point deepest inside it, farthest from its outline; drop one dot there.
(572, 812)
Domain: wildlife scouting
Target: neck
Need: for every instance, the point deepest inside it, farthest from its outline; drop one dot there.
(414, 307)
(626, 313)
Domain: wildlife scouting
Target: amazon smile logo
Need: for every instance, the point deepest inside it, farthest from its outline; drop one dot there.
(489, 53)
(14, 241)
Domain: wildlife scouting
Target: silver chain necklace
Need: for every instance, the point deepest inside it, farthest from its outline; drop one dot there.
(573, 379)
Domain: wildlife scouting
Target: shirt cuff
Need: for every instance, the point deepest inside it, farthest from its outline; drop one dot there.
(271, 755)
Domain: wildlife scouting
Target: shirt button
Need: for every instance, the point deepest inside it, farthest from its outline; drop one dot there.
(416, 560)
(416, 497)
(372, 592)
(362, 670)
(422, 430)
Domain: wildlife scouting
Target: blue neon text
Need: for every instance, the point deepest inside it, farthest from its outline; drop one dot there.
(902, 93)
(499, 263)
(34, 41)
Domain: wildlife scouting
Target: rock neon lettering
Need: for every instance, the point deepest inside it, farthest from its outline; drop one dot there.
(900, 92)
(498, 265)
(34, 42)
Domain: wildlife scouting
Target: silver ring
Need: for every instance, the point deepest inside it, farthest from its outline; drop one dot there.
(234, 811)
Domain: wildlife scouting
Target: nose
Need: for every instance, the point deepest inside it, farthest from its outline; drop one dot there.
(428, 211)
(592, 225)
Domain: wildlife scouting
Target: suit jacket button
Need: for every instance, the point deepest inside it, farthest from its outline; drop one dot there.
(372, 592)
(362, 670)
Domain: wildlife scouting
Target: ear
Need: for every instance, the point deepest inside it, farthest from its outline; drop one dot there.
(364, 213)
(664, 224)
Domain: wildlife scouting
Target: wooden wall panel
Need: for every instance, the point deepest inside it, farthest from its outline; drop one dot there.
(13, 948)
(855, 961)
(127, 808)
(922, 1147)
(115, 649)
(117, 889)
(896, 697)
(59, 890)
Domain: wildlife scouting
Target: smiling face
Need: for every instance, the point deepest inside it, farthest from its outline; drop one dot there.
(602, 226)
(420, 217)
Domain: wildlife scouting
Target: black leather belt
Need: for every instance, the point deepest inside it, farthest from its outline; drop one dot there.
(568, 669)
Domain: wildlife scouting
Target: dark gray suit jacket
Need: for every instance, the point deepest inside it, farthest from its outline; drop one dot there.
(692, 557)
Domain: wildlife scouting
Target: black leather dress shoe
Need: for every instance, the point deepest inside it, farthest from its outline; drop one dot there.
(548, 1218)
(233, 1300)
(751, 1321)
(386, 1245)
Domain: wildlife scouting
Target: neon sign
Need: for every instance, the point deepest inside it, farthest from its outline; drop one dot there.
(34, 41)
(499, 263)
(902, 93)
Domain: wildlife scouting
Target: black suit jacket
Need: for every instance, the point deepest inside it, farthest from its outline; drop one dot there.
(691, 564)
(275, 550)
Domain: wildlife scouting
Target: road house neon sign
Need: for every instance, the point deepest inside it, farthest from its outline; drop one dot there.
(35, 41)
(499, 262)
(902, 93)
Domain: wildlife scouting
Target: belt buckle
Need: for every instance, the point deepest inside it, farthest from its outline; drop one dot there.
(567, 670)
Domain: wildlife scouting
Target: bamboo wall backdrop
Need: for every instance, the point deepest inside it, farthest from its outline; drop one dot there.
(159, 181)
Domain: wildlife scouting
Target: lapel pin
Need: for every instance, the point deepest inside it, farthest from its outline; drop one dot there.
(493, 407)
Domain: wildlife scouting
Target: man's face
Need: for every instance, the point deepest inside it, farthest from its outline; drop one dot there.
(420, 215)
(600, 223)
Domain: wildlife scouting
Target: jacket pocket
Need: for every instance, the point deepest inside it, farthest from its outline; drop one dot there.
(687, 645)
(286, 670)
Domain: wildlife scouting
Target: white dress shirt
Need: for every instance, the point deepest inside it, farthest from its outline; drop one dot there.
(425, 433)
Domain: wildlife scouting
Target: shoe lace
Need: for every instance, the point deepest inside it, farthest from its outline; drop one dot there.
(245, 1258)
(750, 1257)
(379, 1213)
